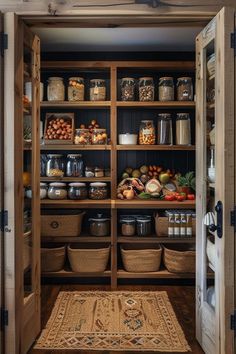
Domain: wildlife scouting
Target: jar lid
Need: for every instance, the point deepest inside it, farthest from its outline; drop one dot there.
(166, 78)
(76, 78)
(82, 130)
(143, 219)
(73, 155)
(55, 78)
(97, 80)
(164, 115)
(57, 184)
(184, 78)
(77, 184)
(127, 79)
(99, 130)
(99, 217)
(145, 121)
(182, 115)
(54, 155)
(146, 78)
(43, 184)
(98, 184)
(128, 220)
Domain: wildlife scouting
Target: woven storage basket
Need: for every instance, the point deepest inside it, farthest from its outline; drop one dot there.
(27, 250)
(53, 259)
(61, 225)
(161, 226)
(179, 261)
(86, 260)
(140, 258)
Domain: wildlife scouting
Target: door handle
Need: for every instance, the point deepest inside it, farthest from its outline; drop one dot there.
(209, 220)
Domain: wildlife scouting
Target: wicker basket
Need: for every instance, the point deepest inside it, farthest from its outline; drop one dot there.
(179, 259)
(61, 225)
(53, 259)
(161, 226)
(140, 258)
(27, 250)
(84, 260)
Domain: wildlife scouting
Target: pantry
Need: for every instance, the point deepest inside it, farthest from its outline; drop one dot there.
(128, 172)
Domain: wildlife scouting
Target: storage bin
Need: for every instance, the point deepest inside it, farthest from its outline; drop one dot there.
(179, 259)
(161, 226)
(87, 260)
(27, 250)
(61, 225)
(139, 258)
(53, 259)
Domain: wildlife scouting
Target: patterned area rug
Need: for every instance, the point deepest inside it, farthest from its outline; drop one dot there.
(137, 321)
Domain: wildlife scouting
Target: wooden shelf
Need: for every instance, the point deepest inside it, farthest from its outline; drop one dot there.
(75, 179)
(66, 203)
(70, 274)
(156, 147)
(77, 104)
(76, 239)
(153, 204)
(154, 239)
(164, 274)
(157, 104)
(74, 147)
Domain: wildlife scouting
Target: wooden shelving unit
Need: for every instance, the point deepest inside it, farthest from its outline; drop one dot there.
(75, 179)
(154, 239)
(78, 105)
(74, 147)
(156, 147)
(157, 104)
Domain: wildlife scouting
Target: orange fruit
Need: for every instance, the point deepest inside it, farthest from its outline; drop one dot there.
(26, 179)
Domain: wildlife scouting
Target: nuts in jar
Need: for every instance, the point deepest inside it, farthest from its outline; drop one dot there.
(56, 89)
(127, 226)
(147, 135)
(99, 137)
(146, 89)
(98, 190)
(127, 89)
(166, 89)
(97, 90)
(54, 166)
(77, 191)
(59, 126)
(184, 89)
(57, 191)
(76, 89)
(82, 137)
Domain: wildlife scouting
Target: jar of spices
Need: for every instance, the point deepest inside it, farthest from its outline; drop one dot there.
(89, 171)
(127, 89)
(127, 226)
(143, 225)
(76, 89)
(74, 166)
(99, 225)
(184, 89)
(146, 89)
(166, 89)
(164, 129)
(183, 129)
(147, 135)
(97, 90)
(82, 137)
(55, 166)
(56, 89)
(99, 137)
(77, 191)
(57, 191)
(99, 172)
(98, 190)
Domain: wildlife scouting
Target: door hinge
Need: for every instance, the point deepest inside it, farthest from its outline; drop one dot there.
(4, 318)
(3, 219)
(233, 41)
(233, 218)
(233, 322)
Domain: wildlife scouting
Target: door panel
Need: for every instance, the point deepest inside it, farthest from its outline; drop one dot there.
(215, 182)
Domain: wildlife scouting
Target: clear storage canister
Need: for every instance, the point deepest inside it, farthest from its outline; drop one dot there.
(55, 166)
(127, 89)
(99, 225)
(99, 137)
(56, 89)
(77, 191)
(166, 89)
(82, 137)
(183, 129)
(164, 129)
(98, 190)
(143, 225)
(146, 89)
(74, 166)
(147, 135)
(184, 89)
(97, 90)
(127, 226)
(57, 191)
(76, 89)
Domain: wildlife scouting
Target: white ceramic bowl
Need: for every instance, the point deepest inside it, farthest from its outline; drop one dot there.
(128, 139)
(211, 64)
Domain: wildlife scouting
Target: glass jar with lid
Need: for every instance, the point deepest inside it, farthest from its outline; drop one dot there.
(74, 166)
(184, 89)
(128, 225)
(55, 165)
(147, 135)
(146, 89)
(164, 129)
(55, 89)
(127, 89)
(98, 190)
(97, 90)
(57, 190)
(143, 225)
(76, 89)
(166, 89)
(77, 191)
(183, 129)
(99, 137)
(99, 225)
(82, 137)
(43, 190)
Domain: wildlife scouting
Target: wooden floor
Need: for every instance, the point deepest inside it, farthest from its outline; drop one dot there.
(181, 297)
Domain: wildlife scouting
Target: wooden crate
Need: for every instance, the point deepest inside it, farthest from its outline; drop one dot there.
(161, 226)
(68, 117)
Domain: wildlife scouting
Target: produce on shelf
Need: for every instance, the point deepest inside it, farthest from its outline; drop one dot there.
(153, 187)
(187, 182)
(59, 128)
(26, 179)
(92, 134)
(129, 188)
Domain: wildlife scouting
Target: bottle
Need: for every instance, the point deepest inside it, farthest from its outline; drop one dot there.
(171, 221)
(189, 229)
(183, 224)
(177, 225)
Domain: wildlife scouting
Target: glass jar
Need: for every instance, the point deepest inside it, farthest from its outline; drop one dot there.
(99, 172)
(164, 129)
(99, 137)
(89, 171)
(55, 166)
(77, 191)
(127, 226)
(211, 166)
(146, 89)
(127, 89)
(166, 89)
(76, 89)
(82, 137)
(184, 89)
(143, 225)
(183, 129)
(99, 225)
(43, 190)
(147, 135)
(98, 190)
(56, 89)
(57, 191)
(97, 90)
(74, 166)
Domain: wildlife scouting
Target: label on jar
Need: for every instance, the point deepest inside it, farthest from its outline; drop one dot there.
(171, 225)
(147, 131)
(57, 192)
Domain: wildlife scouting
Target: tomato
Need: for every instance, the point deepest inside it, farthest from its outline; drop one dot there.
(180, 198)
(169, 197)
(191, 197)
(183, 195)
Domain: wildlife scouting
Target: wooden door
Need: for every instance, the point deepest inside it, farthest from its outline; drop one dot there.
(21, 152)
(215, 142)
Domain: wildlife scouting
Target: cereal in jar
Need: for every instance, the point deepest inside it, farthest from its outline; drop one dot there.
(57, 191)
(55, 166)
(56, 89)
(76, 89)
(147, 135)
(166, 89)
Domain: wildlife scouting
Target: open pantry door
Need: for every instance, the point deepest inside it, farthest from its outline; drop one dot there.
(21, 171)
(215, 142)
